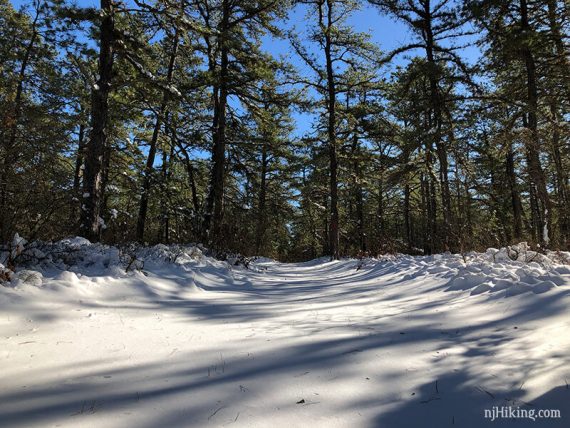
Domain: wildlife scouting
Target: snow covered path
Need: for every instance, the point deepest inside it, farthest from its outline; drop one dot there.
(319, 344)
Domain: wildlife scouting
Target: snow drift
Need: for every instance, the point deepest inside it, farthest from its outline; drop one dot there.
(99, 336)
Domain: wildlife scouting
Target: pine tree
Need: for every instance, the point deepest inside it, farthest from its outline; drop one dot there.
(336, 48)
(91, 220)
(232, 49)
(434, 25)
(520, 40)
(34, 125)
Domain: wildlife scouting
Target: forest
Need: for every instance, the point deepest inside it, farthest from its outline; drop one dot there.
(174, 121)
(284, 213)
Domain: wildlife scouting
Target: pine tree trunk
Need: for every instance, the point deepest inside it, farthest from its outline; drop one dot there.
(562, 58)
(407, 217)
(407, 203)
(261, 216)
(331, 132)
(326, 237)
(432, 214)
(164, 229)
(561, 179)
(430, 193)
(90, 226)
(360, 220)
(359, 194)
(441, 150)
(428, 203)
(105, 179)
(190, 173)
(79, 160)
(562, 176)
(516, 203)
(147, 182)
(77, 172)
(537, 176)
(380, 212)
(213, 215)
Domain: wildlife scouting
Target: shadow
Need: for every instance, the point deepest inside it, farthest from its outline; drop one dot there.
(456, 400)
(187, 391)
(337, 347)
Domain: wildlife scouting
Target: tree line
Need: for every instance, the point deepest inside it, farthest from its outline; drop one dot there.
(171, 121)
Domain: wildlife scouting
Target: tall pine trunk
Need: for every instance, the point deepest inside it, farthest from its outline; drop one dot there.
(358, 191)
(436, 127)
(147, 182)
(539, 192)
(331, 131)
(77, 171)
(214, 209)
(164, 230)
(562, 176)
(261, 211)
(555, 17)
(190, 173)
(516, 203)
(407, 217)
(79, 159)
(90, 223)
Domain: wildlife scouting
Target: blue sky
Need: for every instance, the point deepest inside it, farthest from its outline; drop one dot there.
(383, 31)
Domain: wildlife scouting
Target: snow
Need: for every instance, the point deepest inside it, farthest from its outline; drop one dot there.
(97, 336)
(18, 244)
(27, 277)
(174, 90)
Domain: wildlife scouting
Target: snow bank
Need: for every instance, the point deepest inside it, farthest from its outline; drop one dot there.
(77, 263)
(510, 270)
(168, 336)
(514, 270)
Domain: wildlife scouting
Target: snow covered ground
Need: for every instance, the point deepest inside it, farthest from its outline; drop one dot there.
(187, 341)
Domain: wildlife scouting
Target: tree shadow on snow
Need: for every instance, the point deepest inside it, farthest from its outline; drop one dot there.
(473, 366)
(185, 393)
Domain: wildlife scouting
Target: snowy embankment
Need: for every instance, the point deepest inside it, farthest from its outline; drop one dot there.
(91, 336)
